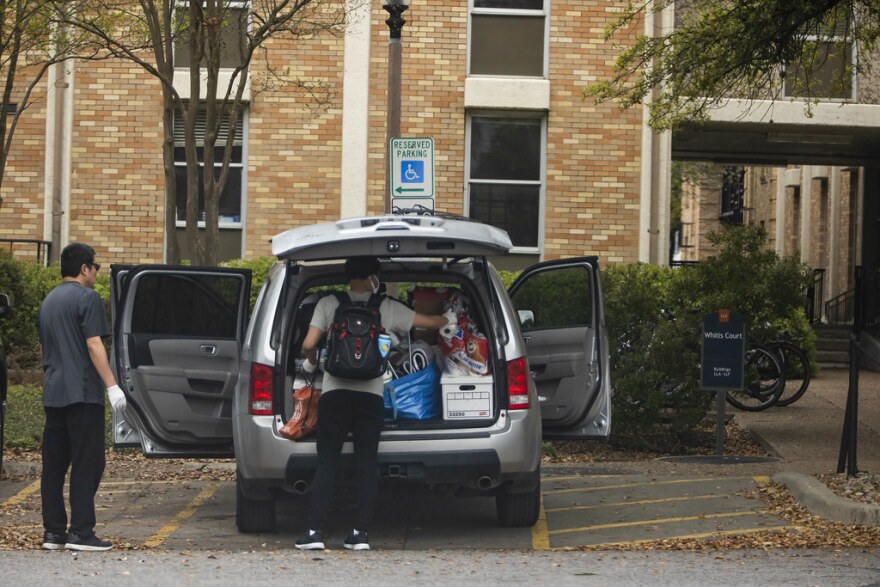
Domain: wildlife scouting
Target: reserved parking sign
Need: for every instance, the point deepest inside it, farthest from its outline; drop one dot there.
(723, 351)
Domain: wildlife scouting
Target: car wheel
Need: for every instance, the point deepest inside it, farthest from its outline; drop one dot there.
(518, 509)
(253, 515)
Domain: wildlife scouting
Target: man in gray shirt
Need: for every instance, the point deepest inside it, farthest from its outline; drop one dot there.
(76, 371)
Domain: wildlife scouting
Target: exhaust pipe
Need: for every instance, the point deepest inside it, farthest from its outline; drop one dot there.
(485, 483)
(301, 487)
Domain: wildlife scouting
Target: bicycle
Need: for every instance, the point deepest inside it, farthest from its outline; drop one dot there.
(764, 381)
(795, 366)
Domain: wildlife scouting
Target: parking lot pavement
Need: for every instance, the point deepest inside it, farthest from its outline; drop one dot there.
(582, 506)
(593, 510)
(807, 434)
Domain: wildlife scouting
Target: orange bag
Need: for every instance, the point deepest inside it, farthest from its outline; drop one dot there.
(305, 414)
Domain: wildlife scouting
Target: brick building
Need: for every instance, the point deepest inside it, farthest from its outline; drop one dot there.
(517, 143)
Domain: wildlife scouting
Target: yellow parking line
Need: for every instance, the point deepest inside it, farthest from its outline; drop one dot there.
(21, 495)
(540, 536)
(628, 485)
(571, 477)
(716, 534)
(638, 502)
(143, 482)
(652, 522)
(168, 529)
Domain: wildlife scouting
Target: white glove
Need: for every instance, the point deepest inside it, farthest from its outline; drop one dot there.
(117, 398)
(308, 366)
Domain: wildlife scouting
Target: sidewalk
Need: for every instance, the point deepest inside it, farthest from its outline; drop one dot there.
(806, 435)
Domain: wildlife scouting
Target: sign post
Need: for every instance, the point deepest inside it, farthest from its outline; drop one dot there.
(412, 172)
(722, 359)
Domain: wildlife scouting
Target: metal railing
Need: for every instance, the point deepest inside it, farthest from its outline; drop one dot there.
(683, 263)
(815, 295)
(41, 249)
(858, 307)
(841, 309)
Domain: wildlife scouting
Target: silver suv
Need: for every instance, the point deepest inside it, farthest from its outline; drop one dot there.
(204, 379)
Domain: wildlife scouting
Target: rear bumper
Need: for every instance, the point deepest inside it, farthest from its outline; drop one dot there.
(461, 468)
(506, 454)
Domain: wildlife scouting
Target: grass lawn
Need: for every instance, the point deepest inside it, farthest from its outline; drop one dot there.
(25, 418)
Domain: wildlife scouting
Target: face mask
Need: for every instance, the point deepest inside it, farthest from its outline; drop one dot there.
(374, 283)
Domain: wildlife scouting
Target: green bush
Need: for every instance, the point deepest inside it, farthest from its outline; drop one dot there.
(654, 317)
(508, 277)
(654, 345)
(745, 277)
(25, 418)
(549, 296)
(260, 270)
(26, 283)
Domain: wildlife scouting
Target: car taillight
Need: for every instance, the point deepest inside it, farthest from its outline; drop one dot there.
(517, 384)
(260, 401)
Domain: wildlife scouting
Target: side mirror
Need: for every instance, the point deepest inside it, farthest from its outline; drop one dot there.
(5, 306)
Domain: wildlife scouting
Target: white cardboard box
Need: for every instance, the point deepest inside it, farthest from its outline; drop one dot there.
(467, 397)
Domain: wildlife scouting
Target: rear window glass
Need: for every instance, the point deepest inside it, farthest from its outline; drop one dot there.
(555, 298)
(187, 305)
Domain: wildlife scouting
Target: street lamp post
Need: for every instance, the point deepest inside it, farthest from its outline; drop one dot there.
(395, 22)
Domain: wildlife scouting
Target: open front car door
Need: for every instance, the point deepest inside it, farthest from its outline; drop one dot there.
(561, 316)
(177, 342)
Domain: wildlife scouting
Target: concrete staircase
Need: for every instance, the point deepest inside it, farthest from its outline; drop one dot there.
(832, 346)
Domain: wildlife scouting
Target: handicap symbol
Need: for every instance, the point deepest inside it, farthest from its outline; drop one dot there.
(412, 171)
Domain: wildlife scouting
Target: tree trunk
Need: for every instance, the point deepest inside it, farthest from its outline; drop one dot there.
(172, 246)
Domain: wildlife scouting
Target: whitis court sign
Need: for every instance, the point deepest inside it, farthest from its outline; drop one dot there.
(723, 351)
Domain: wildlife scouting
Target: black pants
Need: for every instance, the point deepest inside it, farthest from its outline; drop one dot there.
(73, 437)
(341, 411)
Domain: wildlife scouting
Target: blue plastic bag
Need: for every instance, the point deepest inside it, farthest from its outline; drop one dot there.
(415, 396)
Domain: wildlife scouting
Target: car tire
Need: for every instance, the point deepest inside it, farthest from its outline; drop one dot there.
(518, 509)
(253, 515)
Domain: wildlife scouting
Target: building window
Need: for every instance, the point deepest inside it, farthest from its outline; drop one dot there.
(494, 23)
(830, 75)
(233, 35)
(231, 197)
(733, 187)
(829, 68)
(505, 175)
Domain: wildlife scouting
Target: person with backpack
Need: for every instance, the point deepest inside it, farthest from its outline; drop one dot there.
(351, 396)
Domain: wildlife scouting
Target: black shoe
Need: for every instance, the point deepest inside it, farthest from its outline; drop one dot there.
(312, 540)
(357, 541)
(75, 542)
(53, 541)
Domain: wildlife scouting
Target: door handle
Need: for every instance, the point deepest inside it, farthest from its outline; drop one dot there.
(208, 349)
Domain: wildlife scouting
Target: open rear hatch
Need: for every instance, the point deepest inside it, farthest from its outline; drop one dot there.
(398, 236)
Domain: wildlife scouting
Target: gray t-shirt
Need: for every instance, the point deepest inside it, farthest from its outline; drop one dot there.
(69, 315)
(395, 316)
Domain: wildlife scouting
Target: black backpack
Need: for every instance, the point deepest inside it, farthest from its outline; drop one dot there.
(353, 339)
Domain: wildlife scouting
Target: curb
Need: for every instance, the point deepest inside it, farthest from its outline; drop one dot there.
(816, 497)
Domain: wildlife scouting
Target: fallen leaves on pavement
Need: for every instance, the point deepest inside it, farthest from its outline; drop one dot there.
(811, 531)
